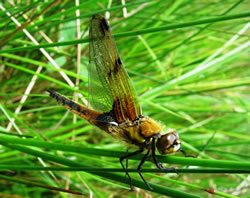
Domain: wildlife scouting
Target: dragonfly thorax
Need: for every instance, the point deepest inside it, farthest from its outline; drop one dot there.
(141, 133)
(138, 132)
(148, 127)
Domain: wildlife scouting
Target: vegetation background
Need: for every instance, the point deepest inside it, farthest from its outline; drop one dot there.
(189, 62)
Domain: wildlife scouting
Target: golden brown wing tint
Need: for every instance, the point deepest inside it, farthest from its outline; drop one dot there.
(110, 88)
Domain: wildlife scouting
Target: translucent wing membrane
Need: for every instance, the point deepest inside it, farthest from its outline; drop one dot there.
(110, 88)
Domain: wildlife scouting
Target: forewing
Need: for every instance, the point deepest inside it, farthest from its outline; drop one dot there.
(110, 88)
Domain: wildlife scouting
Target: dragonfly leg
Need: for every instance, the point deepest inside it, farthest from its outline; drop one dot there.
(125, 168)
(185, 154)
(127, 159)
(159, 165)
(140, 167)
(126, 164)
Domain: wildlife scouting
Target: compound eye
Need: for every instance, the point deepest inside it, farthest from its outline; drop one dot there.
(168, 143)
(171, 139)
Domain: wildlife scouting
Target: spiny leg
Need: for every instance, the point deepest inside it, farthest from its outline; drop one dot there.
(140, 167)
(126, 171)
(185, 154)
(126, 164)
(156, 161)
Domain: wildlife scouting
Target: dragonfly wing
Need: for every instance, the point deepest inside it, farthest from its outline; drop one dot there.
(110, 88)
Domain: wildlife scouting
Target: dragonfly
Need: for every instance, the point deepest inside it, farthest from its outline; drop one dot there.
(114, 105)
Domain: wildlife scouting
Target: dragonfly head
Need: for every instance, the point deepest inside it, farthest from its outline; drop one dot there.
(168, 143)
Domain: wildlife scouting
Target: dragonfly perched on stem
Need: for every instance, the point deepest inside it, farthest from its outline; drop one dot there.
(114, 104)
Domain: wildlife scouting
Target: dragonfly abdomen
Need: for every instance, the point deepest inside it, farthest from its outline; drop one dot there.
(88, 114)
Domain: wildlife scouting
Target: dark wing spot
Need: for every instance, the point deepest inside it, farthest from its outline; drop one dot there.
(118, 63)
(104, 26)
(105, 118)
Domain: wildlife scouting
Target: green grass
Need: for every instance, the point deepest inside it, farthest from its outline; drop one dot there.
(189, 63)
